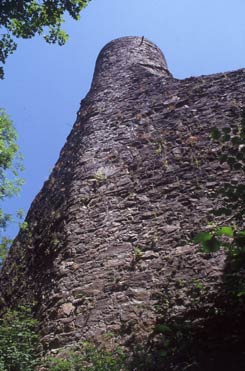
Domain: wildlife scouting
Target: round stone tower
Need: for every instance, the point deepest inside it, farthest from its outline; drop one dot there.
(128, 55)
(108, 248)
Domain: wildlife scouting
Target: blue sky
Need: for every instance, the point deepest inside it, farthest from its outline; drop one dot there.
(44, 83)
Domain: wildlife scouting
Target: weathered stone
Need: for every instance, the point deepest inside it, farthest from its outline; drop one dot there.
(136, 174)
(67, 308)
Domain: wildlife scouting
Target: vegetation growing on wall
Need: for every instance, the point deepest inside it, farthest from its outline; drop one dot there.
(231, 235)
(86, 356)
(19, 343)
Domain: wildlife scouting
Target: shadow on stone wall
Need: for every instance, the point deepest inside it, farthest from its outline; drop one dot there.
(209, 335)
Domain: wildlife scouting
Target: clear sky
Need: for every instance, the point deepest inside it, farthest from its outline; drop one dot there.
(44, 83)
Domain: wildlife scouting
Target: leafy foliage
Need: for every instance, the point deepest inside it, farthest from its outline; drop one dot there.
(18, 340)
(10, 167)
(232, 153)
(86, 357)
(8, 157)
(26, 18)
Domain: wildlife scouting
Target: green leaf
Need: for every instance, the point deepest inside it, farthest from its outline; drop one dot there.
(225, 231)
(162, 328)
(215, 133)
(202, 237)
(210, 246)
(226, 138)
(241, 293)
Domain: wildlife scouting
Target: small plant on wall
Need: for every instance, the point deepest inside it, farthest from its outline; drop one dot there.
(229, 234)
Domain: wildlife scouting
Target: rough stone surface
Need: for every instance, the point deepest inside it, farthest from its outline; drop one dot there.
(109, 246)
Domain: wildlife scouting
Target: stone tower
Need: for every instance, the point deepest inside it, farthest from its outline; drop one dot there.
(109, 247)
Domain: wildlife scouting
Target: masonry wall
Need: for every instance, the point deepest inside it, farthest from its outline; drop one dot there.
(109, 245)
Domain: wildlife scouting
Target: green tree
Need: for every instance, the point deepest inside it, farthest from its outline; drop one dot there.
(10, 168)
(27, 18)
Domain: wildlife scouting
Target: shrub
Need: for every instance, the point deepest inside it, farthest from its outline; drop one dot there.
(18, 340)
(88, 357)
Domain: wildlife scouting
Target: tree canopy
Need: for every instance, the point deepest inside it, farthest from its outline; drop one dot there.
(27, 18)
